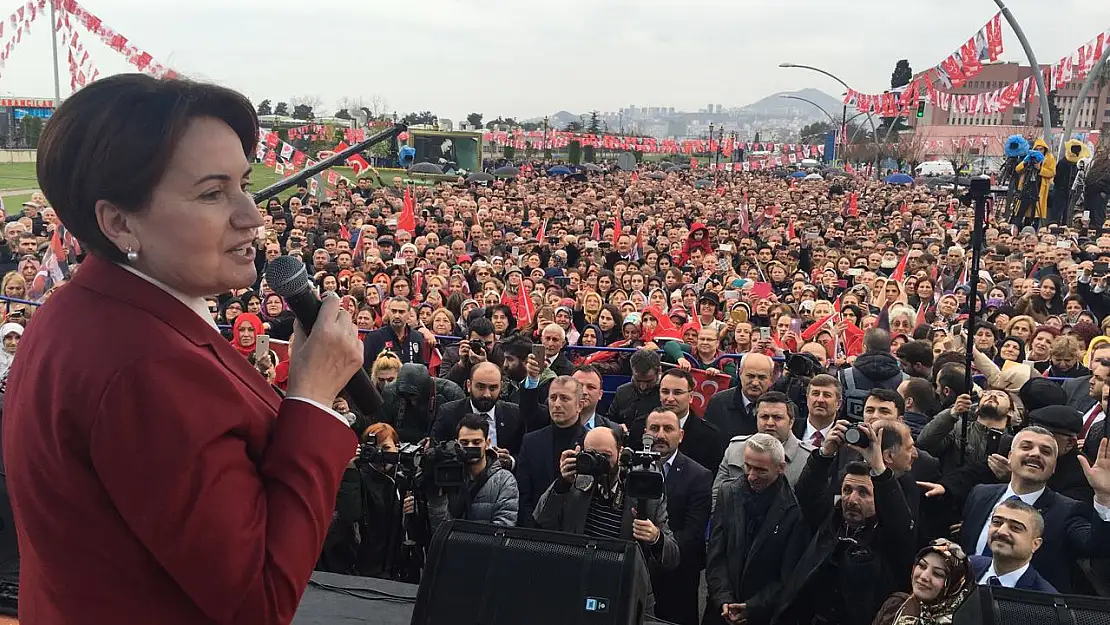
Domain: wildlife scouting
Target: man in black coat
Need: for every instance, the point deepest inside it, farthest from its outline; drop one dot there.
(757, 536)
(396, 336)
(733, 411)
(640, 396)
(687, 487)
(538, 462)
(864, 545)
(701, 441)
(506, 432)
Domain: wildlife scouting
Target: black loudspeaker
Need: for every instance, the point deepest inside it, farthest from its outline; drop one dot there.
(489, 575)
(993, 605)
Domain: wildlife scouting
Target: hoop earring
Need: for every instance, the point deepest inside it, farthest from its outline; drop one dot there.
(132, 255)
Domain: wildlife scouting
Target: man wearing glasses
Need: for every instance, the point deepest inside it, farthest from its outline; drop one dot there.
(701, 441)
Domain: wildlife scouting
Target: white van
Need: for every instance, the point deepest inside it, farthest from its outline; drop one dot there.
(935, 168)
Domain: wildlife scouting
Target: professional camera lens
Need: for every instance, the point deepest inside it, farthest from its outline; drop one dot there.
(855, 436)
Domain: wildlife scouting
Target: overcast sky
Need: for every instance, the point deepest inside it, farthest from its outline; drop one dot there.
(525, 58)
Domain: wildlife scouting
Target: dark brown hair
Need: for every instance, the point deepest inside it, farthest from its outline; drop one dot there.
(114, 139)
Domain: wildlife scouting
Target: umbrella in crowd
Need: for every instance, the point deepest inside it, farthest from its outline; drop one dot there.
(425, 168)
(813, 177)
(899, 179)
(798, 174)
(655, 175)
(559, 170)
(703, 183)
(590, 167)
(480, 176)
(508, 171)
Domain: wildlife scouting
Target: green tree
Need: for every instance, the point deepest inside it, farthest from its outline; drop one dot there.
(574, 126)
(902, 74)
(423, 117)
(264, 108)
(32, 129)
(281, 109)
(531, 126)
(756, 140)
(814, 134)
(594, 126)
(474, 119)
(343, 114)
(303, 111)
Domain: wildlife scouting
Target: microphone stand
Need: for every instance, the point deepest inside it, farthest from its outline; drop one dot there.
(980, 189)
(328, 163)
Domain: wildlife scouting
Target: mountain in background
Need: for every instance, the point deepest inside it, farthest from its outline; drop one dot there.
(775, 106)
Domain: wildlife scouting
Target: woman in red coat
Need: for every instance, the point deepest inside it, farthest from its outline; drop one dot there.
(154, 475)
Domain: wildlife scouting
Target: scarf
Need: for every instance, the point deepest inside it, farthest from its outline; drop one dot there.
(961, 582)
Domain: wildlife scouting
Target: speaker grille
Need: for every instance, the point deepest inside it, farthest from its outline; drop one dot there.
(1090, 617)
(1018, 613)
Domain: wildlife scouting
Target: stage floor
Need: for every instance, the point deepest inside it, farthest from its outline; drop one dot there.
(321, 606)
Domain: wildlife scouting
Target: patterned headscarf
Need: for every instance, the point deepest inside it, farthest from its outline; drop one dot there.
(959, 584)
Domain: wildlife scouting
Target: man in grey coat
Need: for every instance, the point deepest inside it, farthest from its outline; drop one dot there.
(489, 493)
(943, 436)
(596, 506)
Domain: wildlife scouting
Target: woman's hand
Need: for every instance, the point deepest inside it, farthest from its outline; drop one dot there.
(321, 363)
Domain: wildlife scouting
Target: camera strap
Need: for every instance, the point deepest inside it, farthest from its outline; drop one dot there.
(460, 503)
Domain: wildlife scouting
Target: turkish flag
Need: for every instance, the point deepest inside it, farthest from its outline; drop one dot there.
(616, 227)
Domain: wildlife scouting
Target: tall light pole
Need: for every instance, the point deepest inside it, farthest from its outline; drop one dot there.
(54, 51)
(1038, 75)
(844, 84)
(1073, 117)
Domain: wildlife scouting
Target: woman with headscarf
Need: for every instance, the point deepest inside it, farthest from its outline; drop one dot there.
(11, 333)
(940, 580)
(279, 318)
(244, 334)
(656, 325)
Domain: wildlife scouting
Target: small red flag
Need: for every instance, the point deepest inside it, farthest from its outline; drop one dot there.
(900, 271)
(596, 233)
(616, 227)
(407, 219)
(790, 229)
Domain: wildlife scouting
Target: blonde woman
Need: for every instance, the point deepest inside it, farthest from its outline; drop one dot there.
(385, 369)
(1023, 327)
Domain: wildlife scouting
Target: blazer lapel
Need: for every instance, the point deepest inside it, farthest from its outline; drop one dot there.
(977, 517)
(112, 281)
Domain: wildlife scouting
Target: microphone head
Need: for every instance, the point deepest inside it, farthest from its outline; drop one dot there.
(287, 276)
(648, 441)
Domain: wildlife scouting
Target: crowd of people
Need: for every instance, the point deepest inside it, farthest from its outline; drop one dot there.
(847, 473)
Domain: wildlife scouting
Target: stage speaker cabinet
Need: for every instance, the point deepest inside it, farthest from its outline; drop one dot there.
(993, 605)
(484, 574)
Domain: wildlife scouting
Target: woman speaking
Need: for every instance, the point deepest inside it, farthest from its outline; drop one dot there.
(154, 475)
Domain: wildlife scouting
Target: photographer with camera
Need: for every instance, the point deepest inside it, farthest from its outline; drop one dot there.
(864, 543)
(589, 498)
(988, 422)
(488, 493)
(478, 347)
(799, 369)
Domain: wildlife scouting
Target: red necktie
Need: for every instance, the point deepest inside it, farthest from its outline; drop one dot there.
(1095, 412)
(817, 439)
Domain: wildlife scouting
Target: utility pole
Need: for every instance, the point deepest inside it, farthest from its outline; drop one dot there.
(54, 52)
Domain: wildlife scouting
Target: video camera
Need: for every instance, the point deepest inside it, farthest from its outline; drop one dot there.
(444, 462)
(803, 365)
(642, 478)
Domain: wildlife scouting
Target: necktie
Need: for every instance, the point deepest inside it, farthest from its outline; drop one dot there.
(987, 549)
(1092, 417)
(666, 471)
(817, 439)
(993, 581)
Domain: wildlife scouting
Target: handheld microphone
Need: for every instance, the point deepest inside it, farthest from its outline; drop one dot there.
(648, 441)
(288, 278)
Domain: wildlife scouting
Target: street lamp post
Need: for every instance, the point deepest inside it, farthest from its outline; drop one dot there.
(844, 84)
(1038, 75)
(709, 146)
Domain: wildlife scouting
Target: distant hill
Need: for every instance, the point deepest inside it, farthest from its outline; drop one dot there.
(776, 106)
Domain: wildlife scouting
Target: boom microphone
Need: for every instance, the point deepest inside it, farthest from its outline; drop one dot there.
(288, 278)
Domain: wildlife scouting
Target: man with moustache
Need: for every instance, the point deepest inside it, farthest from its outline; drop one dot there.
(864, 544)
(1015, 534)
(686, 485)
(823, 397)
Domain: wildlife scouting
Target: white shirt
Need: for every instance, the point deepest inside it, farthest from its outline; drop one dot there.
(669, 464)
(810, 431)
(1029, 498)
(489, 419)
(682, 421)
(1008, 580)
(589, 424)
(200, 306)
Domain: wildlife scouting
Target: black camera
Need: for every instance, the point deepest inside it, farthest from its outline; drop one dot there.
(803, 365)
(446, 462)
(589, 462)
(994, 440)
(642, 479)
(856, 436)
(477, 346)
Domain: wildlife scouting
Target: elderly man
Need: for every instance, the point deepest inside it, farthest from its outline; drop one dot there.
(554, 339)
(732, 411)
(774, 415)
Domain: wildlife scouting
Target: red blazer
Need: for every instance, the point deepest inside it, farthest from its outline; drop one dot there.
(154, 475)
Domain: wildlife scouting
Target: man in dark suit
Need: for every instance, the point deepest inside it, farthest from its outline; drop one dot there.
(506, 432)
(1082, 393)
(554, 339)
(538, 462)
(686, 485)
(757, 536)
(1015, 535)
(733, 411)
(1071, 530)
(701, 441)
